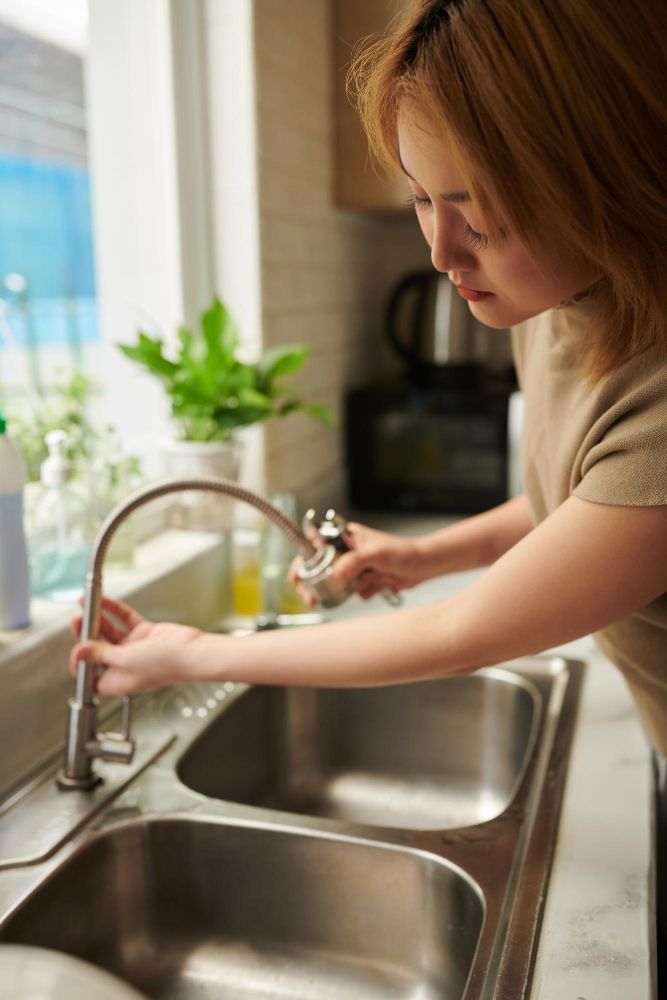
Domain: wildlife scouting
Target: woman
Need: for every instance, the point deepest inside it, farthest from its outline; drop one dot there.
(532, 134)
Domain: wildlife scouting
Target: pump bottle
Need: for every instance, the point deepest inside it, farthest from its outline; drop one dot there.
(60, 543)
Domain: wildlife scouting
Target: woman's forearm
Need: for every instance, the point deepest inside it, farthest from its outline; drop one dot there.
(476, 542)
(414, 644)
(586, 566)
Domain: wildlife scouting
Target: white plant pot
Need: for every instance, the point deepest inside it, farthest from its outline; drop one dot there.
(200, 511)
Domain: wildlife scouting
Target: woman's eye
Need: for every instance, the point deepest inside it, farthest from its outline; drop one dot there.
(417, 202)
(473, 239)
(478, 241)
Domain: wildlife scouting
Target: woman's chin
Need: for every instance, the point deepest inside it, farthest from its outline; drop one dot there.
(498, 315)
(490, 312)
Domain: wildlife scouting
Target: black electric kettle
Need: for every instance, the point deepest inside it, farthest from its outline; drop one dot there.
(429, 325)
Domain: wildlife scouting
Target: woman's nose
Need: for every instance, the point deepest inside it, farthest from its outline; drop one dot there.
(447, 254)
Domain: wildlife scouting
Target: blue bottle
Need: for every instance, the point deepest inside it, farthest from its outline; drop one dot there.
(14, 574)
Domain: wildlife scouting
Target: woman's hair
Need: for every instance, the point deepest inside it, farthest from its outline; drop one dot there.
(555, 113)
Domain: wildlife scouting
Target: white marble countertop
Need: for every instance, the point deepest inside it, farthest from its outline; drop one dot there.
(595, 942)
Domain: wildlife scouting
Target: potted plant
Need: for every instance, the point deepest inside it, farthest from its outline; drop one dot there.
(92, 449)
(213, 395)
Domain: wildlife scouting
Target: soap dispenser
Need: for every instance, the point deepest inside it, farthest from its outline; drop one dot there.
(60, 543)
(14, 575)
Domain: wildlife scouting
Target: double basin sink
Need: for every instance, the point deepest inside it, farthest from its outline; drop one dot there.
(298, 844)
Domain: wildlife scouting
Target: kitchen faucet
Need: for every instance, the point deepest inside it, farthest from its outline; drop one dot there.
(83, 743)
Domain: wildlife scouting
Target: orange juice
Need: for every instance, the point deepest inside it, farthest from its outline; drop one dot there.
(246, 573)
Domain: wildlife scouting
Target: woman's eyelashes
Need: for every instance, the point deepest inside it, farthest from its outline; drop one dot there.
(417, 202)
(473, 239)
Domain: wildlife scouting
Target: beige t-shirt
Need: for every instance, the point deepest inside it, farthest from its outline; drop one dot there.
(606, 444)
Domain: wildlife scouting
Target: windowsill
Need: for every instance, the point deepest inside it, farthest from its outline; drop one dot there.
(155, 558)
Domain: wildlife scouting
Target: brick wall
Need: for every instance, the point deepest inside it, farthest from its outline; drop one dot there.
(325, 272)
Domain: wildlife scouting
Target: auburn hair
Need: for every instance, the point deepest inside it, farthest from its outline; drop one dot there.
(555, 113)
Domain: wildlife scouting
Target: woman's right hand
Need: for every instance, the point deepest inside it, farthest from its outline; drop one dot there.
(139, 655)
(380, 559)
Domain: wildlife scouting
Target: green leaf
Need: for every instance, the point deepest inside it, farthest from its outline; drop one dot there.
(186, 338)
(321, 412)
(238, 377)
(190, 392)
(291, 406)
(317, 410)
(239, 416)
(219, 333)
(250, 397)
(149, 354)
(283, 360)
(277, 389)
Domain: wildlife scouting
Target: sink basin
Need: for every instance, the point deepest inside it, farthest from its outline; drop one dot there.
(219, 872)
(430, 756)
(195, 908)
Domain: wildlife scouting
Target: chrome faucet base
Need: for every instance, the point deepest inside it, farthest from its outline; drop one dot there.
(67, 784)
(39, 822)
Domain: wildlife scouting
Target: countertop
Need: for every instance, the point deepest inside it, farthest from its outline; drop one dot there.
(595, 942)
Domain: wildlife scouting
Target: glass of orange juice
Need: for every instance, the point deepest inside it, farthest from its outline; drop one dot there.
(247, 596)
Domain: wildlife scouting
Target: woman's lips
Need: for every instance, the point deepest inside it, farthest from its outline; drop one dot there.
(472, 293)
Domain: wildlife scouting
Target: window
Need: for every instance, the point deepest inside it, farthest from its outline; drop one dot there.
(111, 107)
(47, 274)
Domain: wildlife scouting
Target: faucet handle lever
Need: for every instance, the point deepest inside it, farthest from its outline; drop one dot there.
(126, 718)
(117, 747)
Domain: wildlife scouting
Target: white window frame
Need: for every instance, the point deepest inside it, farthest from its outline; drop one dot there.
(172, 142)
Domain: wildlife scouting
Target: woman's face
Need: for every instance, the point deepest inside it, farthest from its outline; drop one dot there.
(502, 282)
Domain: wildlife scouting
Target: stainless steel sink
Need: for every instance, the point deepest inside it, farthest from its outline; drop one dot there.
(197, 909)
(431, 756)
(390, 844)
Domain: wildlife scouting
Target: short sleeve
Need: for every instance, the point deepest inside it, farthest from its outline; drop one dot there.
(627, 463)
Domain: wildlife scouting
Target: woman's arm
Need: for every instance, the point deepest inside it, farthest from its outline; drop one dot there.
(478, 541)
(586, 566)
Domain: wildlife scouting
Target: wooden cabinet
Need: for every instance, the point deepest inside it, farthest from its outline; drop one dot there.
(361, 184)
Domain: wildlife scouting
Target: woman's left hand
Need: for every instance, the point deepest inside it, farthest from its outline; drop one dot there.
(139, 655)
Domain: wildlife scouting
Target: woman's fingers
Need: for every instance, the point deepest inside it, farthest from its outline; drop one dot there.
(108, 628)
(97, 651)
(292, 576)
(111, 630)
(113, 680)
(372, 584)
(350, 565)
(117, 682)
(305, 596)
(123, 612)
